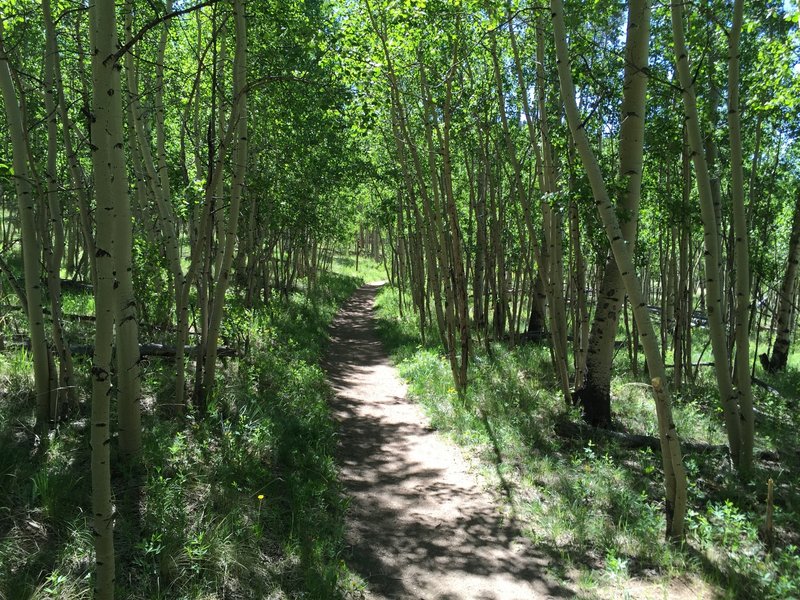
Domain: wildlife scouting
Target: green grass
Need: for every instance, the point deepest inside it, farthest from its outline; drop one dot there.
(596, 508)
(242, 503)
(368, 270)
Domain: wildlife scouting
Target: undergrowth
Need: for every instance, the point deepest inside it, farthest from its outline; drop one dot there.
(243, 503)
(598, 508)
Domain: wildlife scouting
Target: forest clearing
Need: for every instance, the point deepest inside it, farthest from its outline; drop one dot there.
(578, 377)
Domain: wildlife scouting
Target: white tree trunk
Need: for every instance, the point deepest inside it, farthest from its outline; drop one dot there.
(672, 462)
(30, 244)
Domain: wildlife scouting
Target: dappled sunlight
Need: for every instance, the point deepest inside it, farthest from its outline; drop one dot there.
(418, 522)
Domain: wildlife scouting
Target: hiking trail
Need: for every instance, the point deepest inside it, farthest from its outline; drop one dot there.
(419, 524)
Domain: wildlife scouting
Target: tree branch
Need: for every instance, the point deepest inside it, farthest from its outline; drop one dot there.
(141, 33)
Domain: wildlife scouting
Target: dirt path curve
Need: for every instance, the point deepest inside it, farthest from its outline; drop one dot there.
(419, 525)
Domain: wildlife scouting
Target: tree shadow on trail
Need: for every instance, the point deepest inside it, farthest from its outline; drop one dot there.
(407, 514)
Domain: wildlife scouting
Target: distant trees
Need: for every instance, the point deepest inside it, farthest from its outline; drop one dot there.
(24, 185)
(519, 190)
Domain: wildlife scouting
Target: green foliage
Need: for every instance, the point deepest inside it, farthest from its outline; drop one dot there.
(244, 502)
(151, 282)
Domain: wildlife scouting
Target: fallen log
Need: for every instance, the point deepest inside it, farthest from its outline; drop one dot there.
(87, 318)
(170, 351)
(763, 384)
(72, 285)
(571, 430)
(65, 316)
(145, 350)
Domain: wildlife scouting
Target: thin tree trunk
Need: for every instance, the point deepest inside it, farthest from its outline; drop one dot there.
(780, 349)
(741, 248)
(104, 72)
(66, 384)
(30, 244)
(126, 317)
(237, 189)
(728, 397)
(595, 395)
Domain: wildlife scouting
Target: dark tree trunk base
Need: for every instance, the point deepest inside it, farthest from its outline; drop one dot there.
(596, 405)
(775, 363)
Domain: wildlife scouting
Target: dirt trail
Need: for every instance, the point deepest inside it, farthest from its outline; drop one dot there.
(419, 524)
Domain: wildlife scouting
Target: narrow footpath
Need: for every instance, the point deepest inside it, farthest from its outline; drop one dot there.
(419, 525)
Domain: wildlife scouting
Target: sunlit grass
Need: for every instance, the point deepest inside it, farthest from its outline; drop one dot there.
(368, 271)
(597, 507)
(77, 303)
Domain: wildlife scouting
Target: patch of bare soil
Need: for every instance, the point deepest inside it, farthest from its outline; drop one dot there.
(419, 525)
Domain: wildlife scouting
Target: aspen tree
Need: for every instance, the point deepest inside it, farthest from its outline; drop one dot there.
(544, 270)
(55, 254)
(780, 348)
(456, 244)
(77, 179)
(728, 397)
(31, 251)
(434, 248)
(441, 226)
(682, 342)
(478, 202)
(105, 92)
(448, 230)
(217, 240)
(553, 256)
(638, 30)
(156, 176)
(741, 247)
(128, 391)
(239, 122)
(595, 394)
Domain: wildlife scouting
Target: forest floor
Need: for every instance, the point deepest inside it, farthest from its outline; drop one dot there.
(420, 524)
(424, 519)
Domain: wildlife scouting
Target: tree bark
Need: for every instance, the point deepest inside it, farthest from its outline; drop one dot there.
(239, 121)
(783, 339)
(104, 72)
(126, 317)
(741, 248)
(728, 397)
(56, 230)
(595, 395)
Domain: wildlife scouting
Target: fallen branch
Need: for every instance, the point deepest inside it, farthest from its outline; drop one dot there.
(763, 384)
(169, 351)
(568, 429)
(65, 316)
(75, 286)
(145, 350)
